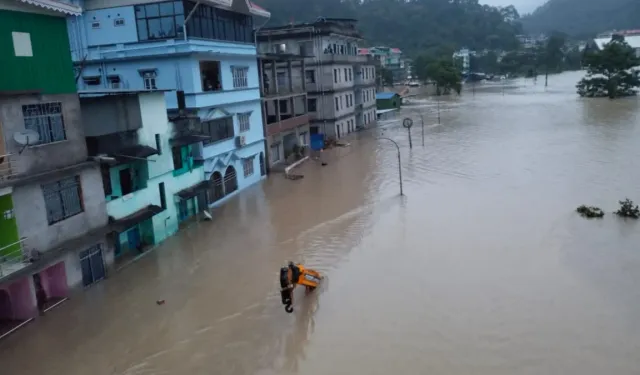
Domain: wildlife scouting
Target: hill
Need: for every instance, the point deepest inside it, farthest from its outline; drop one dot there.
(411, 25)
(583, 18)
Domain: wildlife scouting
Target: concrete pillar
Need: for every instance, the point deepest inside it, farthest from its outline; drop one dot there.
(304, 76)
(273, 77)
(277, 104)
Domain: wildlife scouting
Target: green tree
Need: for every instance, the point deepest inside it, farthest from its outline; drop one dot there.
(553, 55)
(444, 75)
(384, 76)
(609, 71)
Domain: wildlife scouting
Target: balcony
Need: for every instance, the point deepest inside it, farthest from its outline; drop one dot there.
(287, 124)
(282, 90)
(338, 59)
(13, 257)
(132, 202)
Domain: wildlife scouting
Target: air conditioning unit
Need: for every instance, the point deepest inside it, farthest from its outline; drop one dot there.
(241, 141)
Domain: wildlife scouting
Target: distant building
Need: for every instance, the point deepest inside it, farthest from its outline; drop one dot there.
(340, 83)
(532, 41)
(464, 55)
(388, 58)
(632, 37)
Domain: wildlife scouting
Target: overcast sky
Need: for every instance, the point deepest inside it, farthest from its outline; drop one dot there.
(523, 6)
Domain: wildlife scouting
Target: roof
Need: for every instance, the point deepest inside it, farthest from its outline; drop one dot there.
(382, 111)
(385, 95)
(396, 50)
(633, 41)
(56, 6)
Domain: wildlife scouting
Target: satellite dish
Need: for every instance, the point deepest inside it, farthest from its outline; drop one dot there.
(25, 138)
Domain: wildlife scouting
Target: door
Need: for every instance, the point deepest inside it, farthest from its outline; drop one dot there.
(41, 295)
(133, 238)
(263, 170)
(126, 183)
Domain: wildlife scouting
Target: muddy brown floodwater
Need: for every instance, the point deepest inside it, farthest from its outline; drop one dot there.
(482, 268)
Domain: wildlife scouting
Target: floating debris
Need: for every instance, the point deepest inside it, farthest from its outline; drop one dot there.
(590, 211)
(294, 176)
(628, 209)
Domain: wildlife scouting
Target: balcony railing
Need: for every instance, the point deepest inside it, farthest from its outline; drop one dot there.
(269, 90)
(287, 124)
(13, 257)
(337, 58)
(132, 202)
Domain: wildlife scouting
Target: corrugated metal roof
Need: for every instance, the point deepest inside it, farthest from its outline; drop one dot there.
(57, 6)
(385, 95)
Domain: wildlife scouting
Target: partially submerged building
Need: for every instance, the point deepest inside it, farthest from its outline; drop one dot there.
(340, 83)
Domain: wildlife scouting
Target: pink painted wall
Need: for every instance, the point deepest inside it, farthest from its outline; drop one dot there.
(23, 301)
(54, 280)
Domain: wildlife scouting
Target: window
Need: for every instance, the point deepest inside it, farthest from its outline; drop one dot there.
(176, 153)
(275, 152)
(62, 199)
(92, 80)
(341, 103)
(350, 74)
(95, 24)
(306, 48)
(163, 197)
(118, 22)
(283, 106)
(240, 74)
(218, 129)
(105, 171)
(303, 138)
(92, 265)
(158, 144)
(114, 81)
(247, 165)
(310, 76)
(159, 21)
(337, 105)
(346, 78)
(335, 75)
(45, 119)
(208, 22)
(312, 104)
(210, 75)
(22, 44)
(149, 79)
(244, 121)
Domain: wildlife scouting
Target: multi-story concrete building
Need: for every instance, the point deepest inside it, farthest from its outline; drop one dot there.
(284, 98)
(205, 49)
(389, 58)
(53, 221)
(340, 84)
(151, 182)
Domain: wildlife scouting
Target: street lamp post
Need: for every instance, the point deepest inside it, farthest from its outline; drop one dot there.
(399, 161)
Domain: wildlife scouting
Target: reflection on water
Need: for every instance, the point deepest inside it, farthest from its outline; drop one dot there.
(483, 268)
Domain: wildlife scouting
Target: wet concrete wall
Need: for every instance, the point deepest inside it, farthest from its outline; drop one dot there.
(43, 157)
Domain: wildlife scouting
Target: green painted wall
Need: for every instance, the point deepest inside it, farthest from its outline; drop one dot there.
(140, 172)
(187, 161)
(50, 69)
(8, 227)
(392, 103)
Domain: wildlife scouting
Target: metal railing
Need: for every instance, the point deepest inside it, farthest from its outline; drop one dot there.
(283, 89)
(13, 257)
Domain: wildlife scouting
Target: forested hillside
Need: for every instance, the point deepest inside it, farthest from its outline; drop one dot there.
(414, 26)
(584, 18)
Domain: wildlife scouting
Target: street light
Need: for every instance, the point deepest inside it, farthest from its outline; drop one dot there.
(399, 161)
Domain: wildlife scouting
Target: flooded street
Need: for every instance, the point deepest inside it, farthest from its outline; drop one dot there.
(482, 268)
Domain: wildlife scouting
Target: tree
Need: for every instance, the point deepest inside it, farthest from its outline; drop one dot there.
(609, 71)
(553, 54)
(445, 76)
(384, 76)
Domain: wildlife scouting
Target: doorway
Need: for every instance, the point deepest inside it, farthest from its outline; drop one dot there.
(126, 182)
(92, 265)
(263, 170)
(41, 294)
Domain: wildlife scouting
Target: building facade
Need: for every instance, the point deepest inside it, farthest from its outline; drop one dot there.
(54, 222)
(340, 84)
(284, 98)
(389, 58)
(151, 183)
(204, 49)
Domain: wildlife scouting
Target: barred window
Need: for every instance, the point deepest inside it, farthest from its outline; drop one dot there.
(45, 119)
(244, 121)
(219, 129)
(247, 165)
(240, 74)
(62, 199)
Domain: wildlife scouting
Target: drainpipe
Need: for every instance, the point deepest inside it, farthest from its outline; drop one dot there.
(184, 25)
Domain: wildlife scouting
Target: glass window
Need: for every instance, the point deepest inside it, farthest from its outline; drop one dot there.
(62, 199)
(160, 21)
(178, 7)
(166, 9)
(153, 10)
(140, 11)
(155, 28)
(45, 119)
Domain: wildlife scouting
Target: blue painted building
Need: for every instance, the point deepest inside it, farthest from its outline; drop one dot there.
(204, 49)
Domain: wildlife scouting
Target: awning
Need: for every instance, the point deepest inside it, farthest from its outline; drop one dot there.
(56, 6)
(137, 217)
(135, 152)
(185, 140)
(194, 190)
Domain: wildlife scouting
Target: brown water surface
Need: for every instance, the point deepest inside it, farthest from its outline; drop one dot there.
(482, 268)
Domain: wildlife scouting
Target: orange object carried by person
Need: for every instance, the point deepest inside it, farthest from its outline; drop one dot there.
(293, 275)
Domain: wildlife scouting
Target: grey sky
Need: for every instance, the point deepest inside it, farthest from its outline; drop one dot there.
(523, 6)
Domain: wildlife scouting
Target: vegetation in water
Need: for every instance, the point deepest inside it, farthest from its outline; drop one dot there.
(442, 72)
(590, 211)
(609, 71)
(628, 209)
